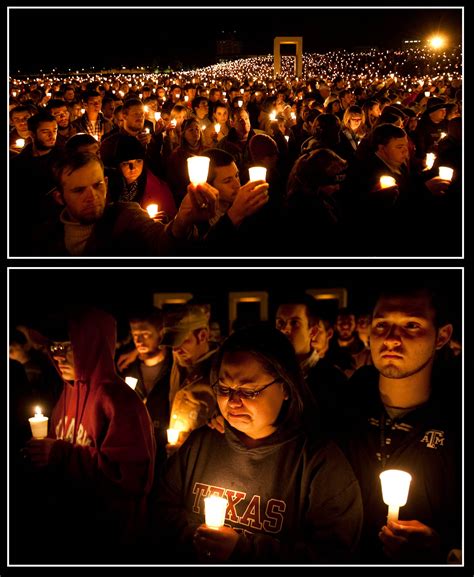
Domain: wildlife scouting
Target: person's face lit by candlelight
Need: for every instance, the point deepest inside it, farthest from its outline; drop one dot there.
(404, 336)
(61, 114)
(83, 191)
(345, 326)
(20, 122)
(323, 336)
(131, 169)
(64, 358)
(134, 118)
(192, 134)
(241, 374)
(227, 181)
(147, 338)
(192, 347)
(45, 136)
(292, 320)
(395, 151)
(221, 114)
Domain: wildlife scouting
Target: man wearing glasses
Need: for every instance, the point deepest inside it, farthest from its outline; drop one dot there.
(58, 109)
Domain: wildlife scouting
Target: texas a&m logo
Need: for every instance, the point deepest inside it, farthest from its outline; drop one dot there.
(433, 439)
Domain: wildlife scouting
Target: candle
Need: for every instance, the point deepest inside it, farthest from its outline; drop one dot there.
(186, 98)
(257, 173)
(173, 436)
(157, 115)
(20, 142)
(215, 509)
(217, 127)
(152, 210)
(445, 172)
(147, 131)
(83, 110)
(387, 181)
(240, 103)
(203, 127)
(174, 123)
(242, 91)
(427, 93)
(442, 135)
(287, 138)
(293, 116)
(395, 486)
(14, 93)
(273, 115)
(430, 158)
(131, 382)
(198, 169)
(39, 424)
(145, 108)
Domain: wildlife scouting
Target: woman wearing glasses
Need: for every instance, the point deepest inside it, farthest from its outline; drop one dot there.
(291, 498)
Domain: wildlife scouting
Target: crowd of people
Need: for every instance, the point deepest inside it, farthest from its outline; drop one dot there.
(363, 140)
(291, 421)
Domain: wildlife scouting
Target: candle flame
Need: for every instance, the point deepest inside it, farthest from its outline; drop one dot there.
(38, 412)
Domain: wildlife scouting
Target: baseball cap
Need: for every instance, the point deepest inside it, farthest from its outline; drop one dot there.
(180, 323)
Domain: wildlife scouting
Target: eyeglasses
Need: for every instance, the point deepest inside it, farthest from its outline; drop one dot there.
(60, 348)
(247, 394)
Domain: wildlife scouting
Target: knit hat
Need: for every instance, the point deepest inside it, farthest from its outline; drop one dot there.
(128, 148)
(434, 104)
(262, 145)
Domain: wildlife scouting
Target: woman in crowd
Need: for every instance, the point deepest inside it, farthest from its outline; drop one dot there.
(291, 497)
(352, 131)
(135, 182)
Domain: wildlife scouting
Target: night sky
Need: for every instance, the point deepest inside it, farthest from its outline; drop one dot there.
(40, 38)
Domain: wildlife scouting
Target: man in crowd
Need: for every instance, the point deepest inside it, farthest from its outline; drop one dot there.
(152, 369)
(19, 119)
(93, 121)
(59, 110)
(191, 396)
(298, 320)
(88, 225)
(31, 182)
(406, 418)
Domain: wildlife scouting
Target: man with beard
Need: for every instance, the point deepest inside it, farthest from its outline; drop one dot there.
(31, 181)
(59, 109)
(407, 418)
(347, 350)
(152, 370)
(90, 226)
(192, 399)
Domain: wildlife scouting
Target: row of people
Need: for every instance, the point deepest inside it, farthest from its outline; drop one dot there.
(278, 409)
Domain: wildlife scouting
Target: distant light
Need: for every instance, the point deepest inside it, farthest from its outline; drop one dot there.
(436, 42)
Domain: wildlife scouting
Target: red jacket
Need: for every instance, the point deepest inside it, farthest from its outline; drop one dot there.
(105, 450)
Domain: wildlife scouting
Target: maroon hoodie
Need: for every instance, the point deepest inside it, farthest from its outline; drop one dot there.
(105, 451)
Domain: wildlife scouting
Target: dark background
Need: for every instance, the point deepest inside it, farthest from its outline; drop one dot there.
(43, 38)
(35, 292)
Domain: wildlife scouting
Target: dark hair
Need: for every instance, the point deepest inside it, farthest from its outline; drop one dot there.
(218, 158)
(276, 354)
(384, 133)
(55, 103)
(77, 140)
(196, 102)
(152, 315)
(35, 120)
(71, 161)
(90, 94)
(130, 103)
(312, 169)
(20, 108)
(438, 299)
(308, 302)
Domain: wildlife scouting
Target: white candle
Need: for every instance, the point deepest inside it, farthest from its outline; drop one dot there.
(387, 181)
(131, 382)
(186, 98)
(157, 115)
(173, 436)
(427, 93)
(39, 424)
(257, 173)
(287, 138)
(145, 108)
(20, 142)
(273, 115)
(147, 131)
(443, 135)
(83, 110)
(240, 103)
(173, 123)
(395, 486)
(215, 509)
(152, 210)
(217, 127)
(445, 172)
(430, 158)
(203, 127)
(198, 169)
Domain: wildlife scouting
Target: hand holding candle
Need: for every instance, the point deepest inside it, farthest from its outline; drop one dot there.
(430, 158)
(215, 510)
(39, 424)
(198, 169)
(387, 182)
(395, 486)
(446, 173)
(257, 173)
